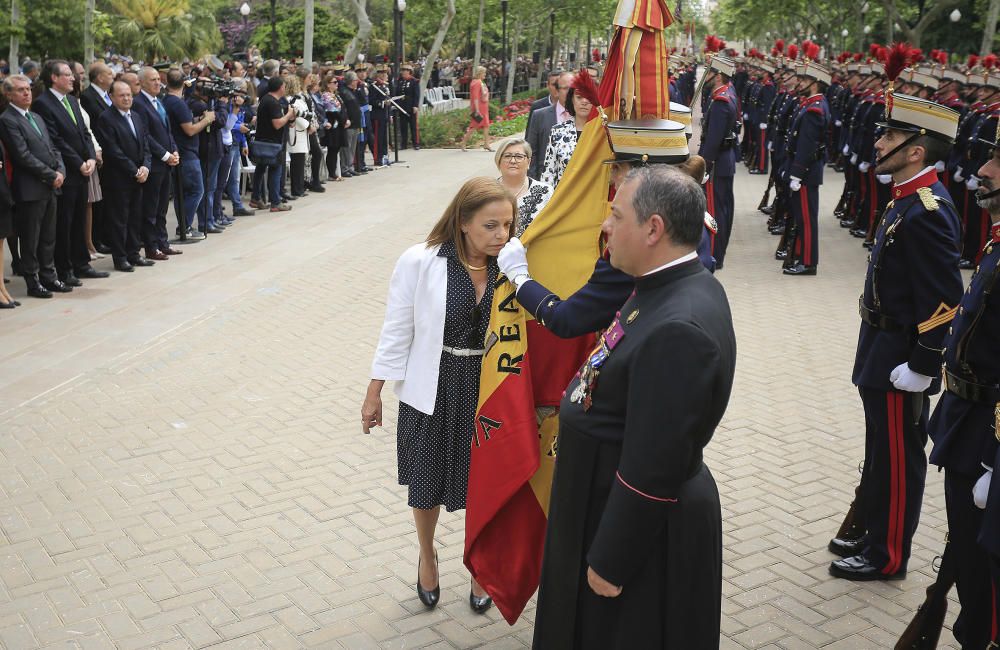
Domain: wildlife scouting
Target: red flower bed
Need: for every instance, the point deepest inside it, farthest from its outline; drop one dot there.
(515, 109)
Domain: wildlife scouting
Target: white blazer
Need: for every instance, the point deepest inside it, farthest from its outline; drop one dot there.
(410, 345)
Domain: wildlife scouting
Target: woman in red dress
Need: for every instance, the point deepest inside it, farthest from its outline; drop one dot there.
(479, 105)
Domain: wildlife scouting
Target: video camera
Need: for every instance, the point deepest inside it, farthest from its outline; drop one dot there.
(214, 87)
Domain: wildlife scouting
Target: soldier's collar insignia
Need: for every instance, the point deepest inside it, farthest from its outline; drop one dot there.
(925, 178)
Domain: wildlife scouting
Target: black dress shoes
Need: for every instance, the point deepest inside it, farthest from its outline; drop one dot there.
(70, 280)
(479, 604)
(799, 269)
(768, 209)
(124, 267)
(859, 232)
(92, 273)
(846, 547)
(141, 261)
(39, 291)
(57, 286)
(847, 223)
(781, 254)
(429, 597)
(7, 305)
(966, 264)
(859, 569)
(102, 249)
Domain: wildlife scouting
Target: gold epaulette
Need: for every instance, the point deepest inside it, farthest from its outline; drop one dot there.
(943, 314)
(711, 223)
(927, 197)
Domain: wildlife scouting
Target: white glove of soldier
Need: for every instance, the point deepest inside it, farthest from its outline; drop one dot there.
(885, 179)
(958, 175)
(839, 123)
(981, 490)
(864, 167)
(905, 379)
(513, 259)
(939, 166)
(746, 116)
(770, 146)
(763, 126)
(972, 184)
(854, 159)
(846, 150)
(794, 184)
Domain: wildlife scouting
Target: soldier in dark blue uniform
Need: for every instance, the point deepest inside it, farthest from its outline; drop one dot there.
(594, 305)
(379, 94)
(364, 101)
(804, 163)
(911, 293)
(962, 427)
(719, 149)
(409, 87)
(759, 117)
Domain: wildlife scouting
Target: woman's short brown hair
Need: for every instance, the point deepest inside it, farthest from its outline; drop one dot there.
(470, 199)
(694, 167)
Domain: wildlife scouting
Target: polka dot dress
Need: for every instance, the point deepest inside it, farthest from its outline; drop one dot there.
(433, 450)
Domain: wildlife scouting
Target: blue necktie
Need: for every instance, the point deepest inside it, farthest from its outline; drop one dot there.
(159, 109)
(128, 118)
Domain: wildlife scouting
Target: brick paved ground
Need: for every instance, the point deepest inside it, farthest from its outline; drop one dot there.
(181, 463)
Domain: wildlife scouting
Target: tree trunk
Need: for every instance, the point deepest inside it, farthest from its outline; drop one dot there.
(992, 15)
(364, 29)
(449, 15)
(307, 45)
(512, 62)
(912, 33)
(12, 57)
(479, 37)
(88, 34)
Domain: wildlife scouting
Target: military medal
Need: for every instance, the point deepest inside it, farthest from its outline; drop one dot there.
(610, 338)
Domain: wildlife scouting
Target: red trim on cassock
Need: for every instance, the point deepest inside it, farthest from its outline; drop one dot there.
(643, 494)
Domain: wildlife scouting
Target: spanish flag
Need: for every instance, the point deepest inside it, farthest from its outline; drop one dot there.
(526, 368)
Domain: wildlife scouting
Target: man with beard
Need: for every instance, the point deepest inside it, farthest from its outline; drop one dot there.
(911, 293)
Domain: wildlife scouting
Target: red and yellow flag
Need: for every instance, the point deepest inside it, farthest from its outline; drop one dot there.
(526, 368)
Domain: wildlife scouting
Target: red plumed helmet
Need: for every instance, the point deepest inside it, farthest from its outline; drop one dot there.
(793, 51)
(973, 61)
(896, 59)
(916, 55)
(990, 61)
(873, 49)
(779, 45)
(811, 50)
(942, 57)
(774, 51)
(858, 56)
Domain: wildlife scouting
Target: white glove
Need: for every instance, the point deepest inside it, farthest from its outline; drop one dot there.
(939, 166)
(746, 116)
(770, 146)
(513, 260)
(864, 167)
(763, 126)
(981, 490)
(958, 175)
(905, 379)
(794, 184)
(854, 159)
(885, 179)
(972, 184)
(839, 123)
(846, 150)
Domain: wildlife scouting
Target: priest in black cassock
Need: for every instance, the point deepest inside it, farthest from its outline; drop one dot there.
(633, 552)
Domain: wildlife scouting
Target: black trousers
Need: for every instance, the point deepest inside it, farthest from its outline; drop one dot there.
(71, 252)
(892, 481)
(156, 201)
(995, 617)
(408, 124)
(36, 233)
(125, 217)
(719, 191)
(804, 205)
(332, 151)
(316, 158)
(972, 580)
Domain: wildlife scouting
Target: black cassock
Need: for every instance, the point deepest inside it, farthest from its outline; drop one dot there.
(631, 496)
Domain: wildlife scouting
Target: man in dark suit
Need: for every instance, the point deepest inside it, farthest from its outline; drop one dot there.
(69, 133)
(164, 155)
(124, 136)
(95, 100)
(38, 174)
(409, 87)
(633, 552)
(542, 122)
(546, 101)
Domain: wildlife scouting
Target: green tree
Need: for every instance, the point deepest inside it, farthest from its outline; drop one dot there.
(51, 29)
(331, 34)
(157, 29)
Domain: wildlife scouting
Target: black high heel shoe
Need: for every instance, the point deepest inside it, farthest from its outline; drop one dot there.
(429, 597)
(479, 604)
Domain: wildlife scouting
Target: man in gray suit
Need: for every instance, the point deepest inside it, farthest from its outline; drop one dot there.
(541, 125)
(548, 100)
(38, 174)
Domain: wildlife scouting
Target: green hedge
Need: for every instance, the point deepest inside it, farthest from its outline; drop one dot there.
(442, 130)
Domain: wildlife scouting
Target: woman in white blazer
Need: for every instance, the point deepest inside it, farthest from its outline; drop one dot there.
(431, 345)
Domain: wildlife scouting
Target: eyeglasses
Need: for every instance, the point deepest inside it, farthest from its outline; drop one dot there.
(516, 157)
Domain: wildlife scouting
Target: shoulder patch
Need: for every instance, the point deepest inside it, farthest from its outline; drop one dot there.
(927, 197)
(711, 224)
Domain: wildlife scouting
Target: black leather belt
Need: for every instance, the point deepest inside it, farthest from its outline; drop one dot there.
(877, 320)
(970, 390)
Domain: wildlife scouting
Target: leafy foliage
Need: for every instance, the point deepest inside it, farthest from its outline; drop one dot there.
(157, 29)
(51, 29)
(330, 34)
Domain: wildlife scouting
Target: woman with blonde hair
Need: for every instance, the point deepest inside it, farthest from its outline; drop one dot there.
(431, 345)
(513, 157)
(479, 107)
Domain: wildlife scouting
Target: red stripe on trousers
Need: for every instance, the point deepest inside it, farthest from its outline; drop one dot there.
(763, 152)
(807, 249)
(710, 197)
(375, 136)
(416, 127)
(893, 533)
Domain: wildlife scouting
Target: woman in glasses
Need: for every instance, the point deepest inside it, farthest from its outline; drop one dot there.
(432, 345)
(513, 158)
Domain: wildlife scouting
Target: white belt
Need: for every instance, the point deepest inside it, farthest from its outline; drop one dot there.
(460, 352)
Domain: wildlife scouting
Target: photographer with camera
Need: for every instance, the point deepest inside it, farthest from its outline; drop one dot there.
(240, 117)
(267, 150)
(298, 135)
(209, 96)
(186, 130)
